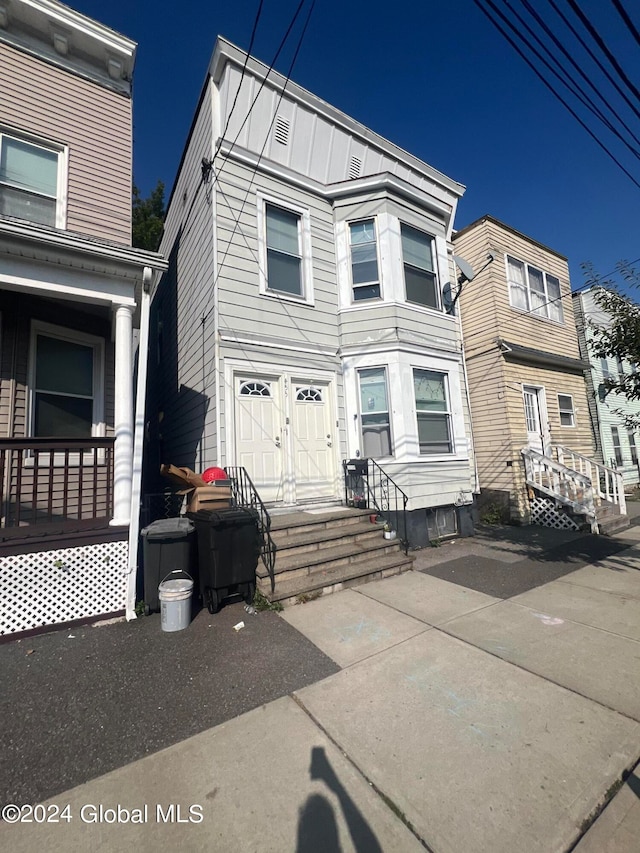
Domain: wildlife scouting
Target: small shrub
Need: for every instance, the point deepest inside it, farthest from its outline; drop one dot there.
(261, 602)
(493, 513)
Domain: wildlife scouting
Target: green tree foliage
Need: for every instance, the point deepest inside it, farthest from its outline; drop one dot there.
(620, 336)
(148, 218)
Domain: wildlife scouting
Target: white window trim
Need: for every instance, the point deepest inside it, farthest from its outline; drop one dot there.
(375, 299)
(436, 269)
(63, 165)
(304, 240)
(98, 429)
(402, 409)
(528, 311)
(385, 368)
(447, 393)
(573, 412)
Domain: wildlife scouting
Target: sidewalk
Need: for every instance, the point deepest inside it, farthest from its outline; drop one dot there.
(493, 709)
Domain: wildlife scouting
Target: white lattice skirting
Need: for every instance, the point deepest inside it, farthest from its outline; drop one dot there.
(50, 587)
(545, 513)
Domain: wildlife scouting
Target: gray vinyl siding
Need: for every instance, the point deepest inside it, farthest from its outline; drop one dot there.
(55, 105)
(243, 310)
(181, 398)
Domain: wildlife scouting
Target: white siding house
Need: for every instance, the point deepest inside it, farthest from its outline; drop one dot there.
(617, 445)
(303, 319)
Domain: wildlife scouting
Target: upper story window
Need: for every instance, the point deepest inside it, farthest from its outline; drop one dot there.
(535, 291)
(284, 239)
(284, 251)
(365, 276)
(420, 280)
(30, 181)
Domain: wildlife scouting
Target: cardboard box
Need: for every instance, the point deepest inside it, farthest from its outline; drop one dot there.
(209, 497)
(200, 495)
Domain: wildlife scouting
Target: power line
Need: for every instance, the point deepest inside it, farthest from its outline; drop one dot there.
(586, 47)
(547, 30)
(550, 87)
(595, 35)
(626, 18)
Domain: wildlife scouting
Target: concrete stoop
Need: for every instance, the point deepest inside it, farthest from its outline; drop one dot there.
(327, 552)
(610, 520)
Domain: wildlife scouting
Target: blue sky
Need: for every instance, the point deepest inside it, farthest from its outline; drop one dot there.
(435, 78)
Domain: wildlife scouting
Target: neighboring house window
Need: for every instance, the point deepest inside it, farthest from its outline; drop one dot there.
(365, 277)
(284, 250)
(432, 411)
(66, 384)
(620, 368)
(374, 413)
(420, 280)
(535, 291)
(565, 404)
(632, 446)
(30, 181)
(617, 447)
(604, 366)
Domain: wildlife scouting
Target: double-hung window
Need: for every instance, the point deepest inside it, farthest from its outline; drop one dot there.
(365, 277)
(374, 413)
(284, 250)
(533, 290)
(617, 445)
(30, 180)
(632, 446)
(432, 411)
(565, 405)
(66, 384)
(420, 280)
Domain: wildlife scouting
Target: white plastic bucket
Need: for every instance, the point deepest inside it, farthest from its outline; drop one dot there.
(175, 601)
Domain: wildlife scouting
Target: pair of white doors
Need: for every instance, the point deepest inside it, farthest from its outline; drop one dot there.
(285, 438)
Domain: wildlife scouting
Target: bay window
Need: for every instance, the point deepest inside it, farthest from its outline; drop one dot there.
(374, 413)
(365, 277)
(432, 412)
(420, 279)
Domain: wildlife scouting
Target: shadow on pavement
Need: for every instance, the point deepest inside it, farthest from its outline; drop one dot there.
(504, 561)
(79, 703)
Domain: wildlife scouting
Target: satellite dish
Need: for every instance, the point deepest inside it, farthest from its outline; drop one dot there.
(465, 268)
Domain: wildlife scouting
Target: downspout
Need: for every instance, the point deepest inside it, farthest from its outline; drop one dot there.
(466, 391)
(138, 445)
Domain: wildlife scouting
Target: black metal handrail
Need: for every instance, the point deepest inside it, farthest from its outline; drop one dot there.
(244, 493)
(368, 485)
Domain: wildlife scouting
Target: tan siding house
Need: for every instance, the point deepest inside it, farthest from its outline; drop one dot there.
(526, 378)
(74, 297)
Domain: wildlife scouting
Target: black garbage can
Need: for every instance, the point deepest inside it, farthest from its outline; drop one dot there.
(355, 474)
(168, 544)
(228, 553)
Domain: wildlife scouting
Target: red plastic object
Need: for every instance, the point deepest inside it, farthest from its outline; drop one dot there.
(211, 474)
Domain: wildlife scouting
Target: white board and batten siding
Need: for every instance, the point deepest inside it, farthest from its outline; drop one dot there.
(50, 104)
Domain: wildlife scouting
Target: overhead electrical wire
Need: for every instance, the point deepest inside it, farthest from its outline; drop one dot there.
(546, 83)
(627, 19)
(595, 35)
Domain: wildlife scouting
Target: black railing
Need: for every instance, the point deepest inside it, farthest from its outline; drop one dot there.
(367, 485)
(244, 493)
(64, 481)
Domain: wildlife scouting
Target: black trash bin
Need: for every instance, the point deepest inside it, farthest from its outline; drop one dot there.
(168, 544)
(228, 553)
(355, 474)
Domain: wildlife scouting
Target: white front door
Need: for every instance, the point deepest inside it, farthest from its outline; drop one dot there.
(533, 418)
(259, 434)
(284, 437)
(312, 442)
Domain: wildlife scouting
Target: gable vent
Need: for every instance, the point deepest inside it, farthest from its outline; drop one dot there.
(355, 167)
(281, 131)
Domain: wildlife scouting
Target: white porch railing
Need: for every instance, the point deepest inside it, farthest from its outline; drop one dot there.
(564, 484)
(607, 482)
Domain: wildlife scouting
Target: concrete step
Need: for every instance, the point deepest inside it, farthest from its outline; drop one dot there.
(297, 523)
(322, 581)
(308, 541)
(294, 563)
(613, 524)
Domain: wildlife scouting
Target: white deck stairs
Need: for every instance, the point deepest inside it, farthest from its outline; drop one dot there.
(323, 551)
(578, 485)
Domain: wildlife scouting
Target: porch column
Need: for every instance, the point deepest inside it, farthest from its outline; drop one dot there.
(123, 417)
